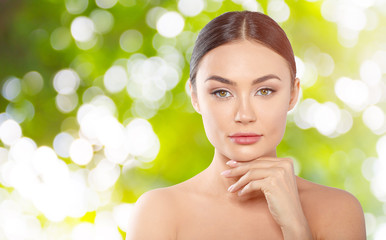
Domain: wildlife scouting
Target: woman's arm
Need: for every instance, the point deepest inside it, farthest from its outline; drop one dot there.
(274, 177)
(152, 217)
(337, 214)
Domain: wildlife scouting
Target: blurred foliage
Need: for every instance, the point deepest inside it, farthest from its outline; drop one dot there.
(27, 44)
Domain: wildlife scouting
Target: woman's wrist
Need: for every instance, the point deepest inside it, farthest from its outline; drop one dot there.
(300, 231)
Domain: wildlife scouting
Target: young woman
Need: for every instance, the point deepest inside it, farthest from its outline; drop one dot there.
(243, 83)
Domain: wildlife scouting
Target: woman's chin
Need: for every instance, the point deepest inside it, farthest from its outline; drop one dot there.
(245, 156)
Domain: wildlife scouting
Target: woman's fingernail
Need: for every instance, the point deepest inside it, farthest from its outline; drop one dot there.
(226, 172)
(231, 163)
(231, 188)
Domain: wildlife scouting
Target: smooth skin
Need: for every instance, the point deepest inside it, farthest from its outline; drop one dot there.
(247, 192)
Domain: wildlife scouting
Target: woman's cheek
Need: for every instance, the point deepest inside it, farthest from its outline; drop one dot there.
(212, 116)
(275, 121)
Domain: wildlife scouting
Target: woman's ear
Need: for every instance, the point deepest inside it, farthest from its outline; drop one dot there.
(294, 94)
(193, 98)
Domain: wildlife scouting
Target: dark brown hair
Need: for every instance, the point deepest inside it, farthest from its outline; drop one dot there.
(239, 25)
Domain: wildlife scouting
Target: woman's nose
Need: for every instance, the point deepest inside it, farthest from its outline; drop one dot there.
(245, 112)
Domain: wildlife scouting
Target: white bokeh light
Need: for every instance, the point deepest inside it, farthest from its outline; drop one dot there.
(278, 10)
(3, 158)
(45, 163)
(62, 143)
(131, 40)
(115, 79)
(83, 231)
(170, 24)
(370, 72)
(325, 64)
(111, 131)
(173, 57)
(153, 15)
(105, 226)
(300, 67)
(21, 111)
(310, 75)
(104, 175)
(82, 29)
(368, 168)
(141, 138)
(66, 103)
(346, 122)
(330, 10)
(370, 222)
(89, 120)
(326, 118)
(352, 17)
(66, 81)
(117, 154)
(10, 132)
(120, 144)
(122, 215)
(15, 224)
(354, 93)
(60, 38)
(381, 148)
(106, 3)
(22, 177)
(378, 187)
(380, 58)
(11, 88)
(252, 5)
(304, 113)
(103, 20)
(374, 117)
(23, 149)
(91, 93)
(81, 151)
(344, 13)
(143, 109)
(76, 6)
(190, 8)
(32, 83)
(151, 78)
(380, 232)
(90, 117)
(377, 93)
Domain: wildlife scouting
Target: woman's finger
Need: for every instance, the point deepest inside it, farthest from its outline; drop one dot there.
(251, 175)
(267, 162)
(262, 162)
(241, 168)
(253, 186)
(280, 174)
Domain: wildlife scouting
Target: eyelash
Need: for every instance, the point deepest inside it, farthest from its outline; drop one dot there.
(222, 90)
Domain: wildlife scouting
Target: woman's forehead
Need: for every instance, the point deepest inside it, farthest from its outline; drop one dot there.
(243, 59)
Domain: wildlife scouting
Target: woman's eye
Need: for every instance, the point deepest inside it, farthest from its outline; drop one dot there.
(221, 93)
(264, 92)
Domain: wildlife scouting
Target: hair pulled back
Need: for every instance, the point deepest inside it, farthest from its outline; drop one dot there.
(241, 25)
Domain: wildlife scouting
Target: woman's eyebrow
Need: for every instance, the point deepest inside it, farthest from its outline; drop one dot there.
(256, 81)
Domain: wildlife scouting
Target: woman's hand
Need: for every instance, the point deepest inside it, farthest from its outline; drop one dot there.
(274, 177)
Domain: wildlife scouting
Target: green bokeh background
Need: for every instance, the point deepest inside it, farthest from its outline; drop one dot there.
(26, 28)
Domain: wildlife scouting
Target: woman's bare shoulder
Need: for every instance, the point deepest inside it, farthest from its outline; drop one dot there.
(325, 195)
(158, 195)
(153, 210)
(334, 212)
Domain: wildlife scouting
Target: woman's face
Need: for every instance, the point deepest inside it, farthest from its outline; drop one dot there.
(244, 87)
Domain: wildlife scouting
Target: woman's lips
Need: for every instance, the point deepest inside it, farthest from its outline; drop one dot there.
(245, 138)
